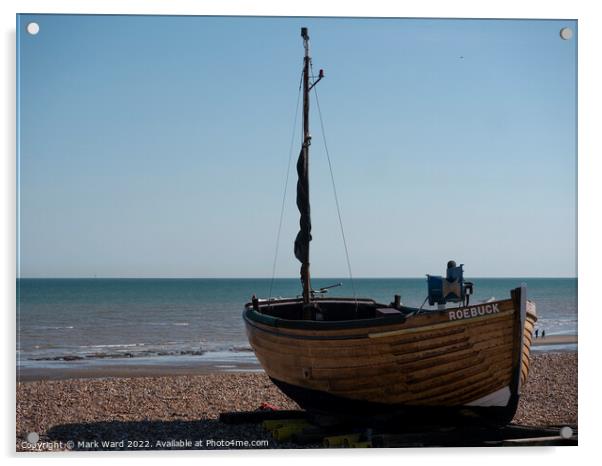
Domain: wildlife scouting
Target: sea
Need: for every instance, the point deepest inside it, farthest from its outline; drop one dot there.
(96, 322)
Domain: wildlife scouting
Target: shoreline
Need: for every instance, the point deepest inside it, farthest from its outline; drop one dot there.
(161, 367)
(555, 340)
(130, 371)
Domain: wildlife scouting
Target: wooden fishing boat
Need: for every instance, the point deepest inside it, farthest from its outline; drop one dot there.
(357, 356)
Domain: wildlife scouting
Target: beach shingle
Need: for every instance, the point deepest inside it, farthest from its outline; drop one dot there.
(187, 407)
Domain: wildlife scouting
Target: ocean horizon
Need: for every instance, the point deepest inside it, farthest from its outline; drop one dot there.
(92, 322)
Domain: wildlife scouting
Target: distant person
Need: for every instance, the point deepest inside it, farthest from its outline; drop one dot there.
(543, 334)
(536, 333)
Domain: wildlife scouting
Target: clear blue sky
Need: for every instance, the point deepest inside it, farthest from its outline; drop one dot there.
(158, 146)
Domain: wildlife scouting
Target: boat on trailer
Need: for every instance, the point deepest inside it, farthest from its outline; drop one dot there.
(361, 358)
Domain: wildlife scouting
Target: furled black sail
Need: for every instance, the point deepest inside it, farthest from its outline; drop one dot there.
(304, 236)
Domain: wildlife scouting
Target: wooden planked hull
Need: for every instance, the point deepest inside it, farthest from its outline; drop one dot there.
(472, 358)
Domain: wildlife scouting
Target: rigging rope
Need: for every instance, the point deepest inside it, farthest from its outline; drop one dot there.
(288, 170)
(336, 197)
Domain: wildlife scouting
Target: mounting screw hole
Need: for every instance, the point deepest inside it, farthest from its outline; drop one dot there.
(33, 28)
(33, 438)
(566, 432)
(566, 33)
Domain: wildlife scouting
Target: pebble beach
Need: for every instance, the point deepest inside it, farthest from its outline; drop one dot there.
(182, 411)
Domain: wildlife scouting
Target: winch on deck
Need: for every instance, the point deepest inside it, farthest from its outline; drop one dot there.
(451, 289)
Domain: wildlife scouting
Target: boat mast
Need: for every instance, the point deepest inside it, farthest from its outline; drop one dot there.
(304, 236)
(305, 277)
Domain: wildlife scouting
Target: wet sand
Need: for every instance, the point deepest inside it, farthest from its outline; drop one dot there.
(555, 340)
(133, 371)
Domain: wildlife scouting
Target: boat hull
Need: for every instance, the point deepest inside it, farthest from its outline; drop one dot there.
(468, 361)
(357, 410)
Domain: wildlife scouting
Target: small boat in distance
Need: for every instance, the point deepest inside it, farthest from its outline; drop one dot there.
(359, 357)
